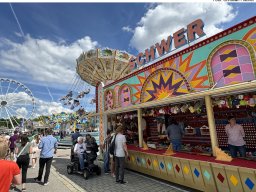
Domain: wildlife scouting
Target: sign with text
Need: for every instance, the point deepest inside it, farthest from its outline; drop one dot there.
(179, 39)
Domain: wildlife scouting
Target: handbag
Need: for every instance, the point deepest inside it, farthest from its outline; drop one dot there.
(112, 146)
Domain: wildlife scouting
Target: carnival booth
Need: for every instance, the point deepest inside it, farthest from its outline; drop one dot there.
(199, 86)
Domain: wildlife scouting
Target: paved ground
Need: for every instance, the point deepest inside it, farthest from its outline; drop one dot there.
(60, 181)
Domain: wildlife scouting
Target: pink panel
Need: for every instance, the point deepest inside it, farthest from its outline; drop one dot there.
(227, 47)
(232, 62)
(109, 100)
(218, 75)
(116, 89)
(246, 68)
(125, 96)
(216, 68)
(242, 60)
(241, 51)
(238, 78)
(215, 60)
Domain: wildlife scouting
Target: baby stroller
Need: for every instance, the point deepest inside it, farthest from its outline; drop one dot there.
(90, 157)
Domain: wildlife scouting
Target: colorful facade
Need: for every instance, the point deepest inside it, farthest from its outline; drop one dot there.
(224, 63)
(224, 59)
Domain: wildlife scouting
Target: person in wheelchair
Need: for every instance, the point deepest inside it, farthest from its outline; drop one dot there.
(79, 150)
(87, 154)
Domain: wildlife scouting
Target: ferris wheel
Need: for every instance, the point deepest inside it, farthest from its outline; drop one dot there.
(17, 103)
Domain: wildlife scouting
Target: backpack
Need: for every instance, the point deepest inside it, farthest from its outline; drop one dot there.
(112, 146)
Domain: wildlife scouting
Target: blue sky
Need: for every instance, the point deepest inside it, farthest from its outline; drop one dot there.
(70, 22)
(63, 30)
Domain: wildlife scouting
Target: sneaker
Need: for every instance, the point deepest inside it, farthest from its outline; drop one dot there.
(122, 182)
(113, 175)
(47, 183)
(37, 180)
(106, 173)
(117, 181)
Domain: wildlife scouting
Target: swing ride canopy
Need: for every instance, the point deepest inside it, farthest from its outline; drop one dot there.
(102, 65)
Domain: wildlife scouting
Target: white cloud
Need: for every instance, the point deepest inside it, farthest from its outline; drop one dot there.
(43, 60)
(48, 108)
(127, 29)
(22, 111)
(164, 19)
(21, 105)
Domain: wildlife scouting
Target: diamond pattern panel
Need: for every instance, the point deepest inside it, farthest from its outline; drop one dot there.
(169, 166)
(249, 183)
(233, 180)
(186, 170)
(196, 172)
(177, 168)
(149, 162)
(162, 165)
(207, 175)
(220, 177)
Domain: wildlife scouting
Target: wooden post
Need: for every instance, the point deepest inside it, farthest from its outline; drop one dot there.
(140, 131)
(211, 123)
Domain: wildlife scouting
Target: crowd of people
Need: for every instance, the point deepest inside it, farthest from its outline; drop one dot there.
(16, 153)
(113, 160)
(18, 150)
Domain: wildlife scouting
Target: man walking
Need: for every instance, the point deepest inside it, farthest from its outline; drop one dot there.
(120, 152)
(47, 145)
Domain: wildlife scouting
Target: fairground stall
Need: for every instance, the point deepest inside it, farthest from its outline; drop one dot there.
(197, 84)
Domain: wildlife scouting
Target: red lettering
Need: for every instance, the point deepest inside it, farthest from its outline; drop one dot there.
(132, 63)
(139, 59)
(179, 38)
(196, 27)
(164, 47)
(150, 55)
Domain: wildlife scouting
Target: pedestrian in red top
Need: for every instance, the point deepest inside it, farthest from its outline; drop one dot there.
(10, 172)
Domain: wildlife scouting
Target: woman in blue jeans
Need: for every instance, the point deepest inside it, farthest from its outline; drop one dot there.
(174, 134)
(106, 145)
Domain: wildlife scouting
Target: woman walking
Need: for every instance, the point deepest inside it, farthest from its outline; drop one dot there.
(23, 149)
(35, 150)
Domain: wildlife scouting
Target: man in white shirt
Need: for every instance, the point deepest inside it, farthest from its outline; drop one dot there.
(79, 149)
(120, 153)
